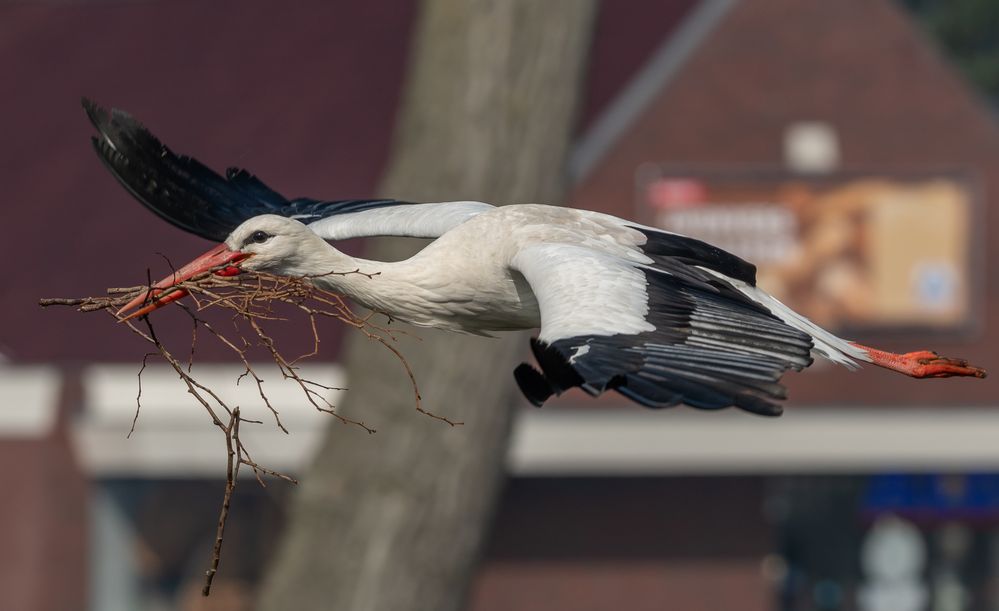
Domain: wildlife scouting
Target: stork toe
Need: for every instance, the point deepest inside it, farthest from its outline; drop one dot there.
(943, 367)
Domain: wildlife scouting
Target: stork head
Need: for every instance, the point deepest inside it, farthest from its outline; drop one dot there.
(268, 242)
(274, 244)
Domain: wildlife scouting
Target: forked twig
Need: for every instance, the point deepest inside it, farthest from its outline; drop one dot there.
(250, 298)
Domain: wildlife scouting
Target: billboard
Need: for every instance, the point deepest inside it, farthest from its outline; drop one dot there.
(888, 251)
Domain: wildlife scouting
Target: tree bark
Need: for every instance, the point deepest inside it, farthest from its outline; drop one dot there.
(396, 520)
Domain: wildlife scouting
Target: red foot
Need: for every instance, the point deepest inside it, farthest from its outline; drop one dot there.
(922, 364)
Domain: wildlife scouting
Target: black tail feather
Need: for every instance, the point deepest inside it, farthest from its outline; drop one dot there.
(533, 384)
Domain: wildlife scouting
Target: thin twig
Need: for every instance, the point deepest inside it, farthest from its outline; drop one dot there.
(138, 395)
(233, 460)
(250, 299)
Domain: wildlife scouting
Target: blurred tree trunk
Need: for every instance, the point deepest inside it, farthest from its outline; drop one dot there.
(396, 520)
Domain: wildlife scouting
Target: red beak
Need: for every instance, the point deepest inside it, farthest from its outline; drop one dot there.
(220, 259)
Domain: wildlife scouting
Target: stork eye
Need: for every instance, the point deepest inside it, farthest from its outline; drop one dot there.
(258, 237)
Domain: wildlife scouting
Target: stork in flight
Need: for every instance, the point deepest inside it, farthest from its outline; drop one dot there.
(660, 318)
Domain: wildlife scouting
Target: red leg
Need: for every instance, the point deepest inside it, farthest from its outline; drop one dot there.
(922, 364)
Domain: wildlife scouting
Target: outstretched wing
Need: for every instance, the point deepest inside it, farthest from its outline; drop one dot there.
(659, 337)
(193, 197)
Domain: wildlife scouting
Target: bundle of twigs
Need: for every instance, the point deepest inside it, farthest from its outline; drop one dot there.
(250, 298)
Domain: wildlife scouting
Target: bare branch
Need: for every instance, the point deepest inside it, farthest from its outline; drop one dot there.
(250, 298)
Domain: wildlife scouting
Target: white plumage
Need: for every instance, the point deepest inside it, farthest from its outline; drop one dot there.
(415, 221)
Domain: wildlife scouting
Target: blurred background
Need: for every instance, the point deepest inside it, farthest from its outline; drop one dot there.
(849, 148)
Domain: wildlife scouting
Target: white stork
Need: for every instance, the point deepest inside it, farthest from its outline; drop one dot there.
(660, 318)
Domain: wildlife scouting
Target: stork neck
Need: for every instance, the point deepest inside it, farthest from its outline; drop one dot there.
(377, 285)
(436, 288)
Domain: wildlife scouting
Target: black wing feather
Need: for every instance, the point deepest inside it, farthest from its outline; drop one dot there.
(669, 249)
(711, 348)
(189, 194)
